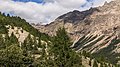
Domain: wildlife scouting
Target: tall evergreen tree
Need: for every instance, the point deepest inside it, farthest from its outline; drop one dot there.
(13, 39)
(64, 56)
(2, 42)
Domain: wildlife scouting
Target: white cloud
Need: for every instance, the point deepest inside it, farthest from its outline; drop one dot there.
(34, 12)
(99, 2)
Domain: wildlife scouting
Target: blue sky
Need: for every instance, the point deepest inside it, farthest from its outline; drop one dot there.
(37, 1)
(45, 11)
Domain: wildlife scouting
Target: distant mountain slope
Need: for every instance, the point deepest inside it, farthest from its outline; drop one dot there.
(100, 20)
(72, 21)
(96, 30)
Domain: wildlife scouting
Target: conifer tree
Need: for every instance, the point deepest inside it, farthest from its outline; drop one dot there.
(64, 56)
(13, 39)
(95, 64)
(2, 42)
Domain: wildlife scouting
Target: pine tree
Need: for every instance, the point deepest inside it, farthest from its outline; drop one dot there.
(2, 42)
(13, 39)
(64, 56)
(28, 43)
(95, 64)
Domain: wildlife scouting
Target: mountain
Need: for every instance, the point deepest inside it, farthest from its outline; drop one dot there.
(96, 30)
(72, 21)
(95, 20)
(21, 45)
(86, 39)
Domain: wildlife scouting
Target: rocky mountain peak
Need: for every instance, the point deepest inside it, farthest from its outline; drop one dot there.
(76, 16)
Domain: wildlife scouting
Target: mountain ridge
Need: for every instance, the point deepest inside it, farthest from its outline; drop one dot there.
(85, 19)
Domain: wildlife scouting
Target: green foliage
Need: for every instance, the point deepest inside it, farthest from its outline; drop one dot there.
(13, 39)
(64, 56)
(28, 42)
(13, 56)
(95, 64)
(2, 42)
(107, 54)
(3, 29)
